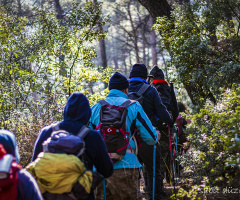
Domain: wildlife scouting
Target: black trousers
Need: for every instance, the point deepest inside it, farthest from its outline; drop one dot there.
(145, 156)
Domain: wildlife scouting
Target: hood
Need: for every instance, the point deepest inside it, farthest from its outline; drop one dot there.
(157, 73)
(77, 109)
(8, 140)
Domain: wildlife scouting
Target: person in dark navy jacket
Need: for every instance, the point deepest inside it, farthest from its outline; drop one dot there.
(154, 108)
(27, 188)
(76, 114)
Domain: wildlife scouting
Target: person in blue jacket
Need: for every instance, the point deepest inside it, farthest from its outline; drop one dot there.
(154, 108)
(124, 182)
(77, 113)
(27, 187)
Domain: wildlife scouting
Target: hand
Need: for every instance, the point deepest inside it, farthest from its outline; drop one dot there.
(159, 134)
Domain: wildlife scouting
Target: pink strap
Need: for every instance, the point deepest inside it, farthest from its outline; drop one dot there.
(99, 125)
(124, 132)
(117, 107)
(170, 145)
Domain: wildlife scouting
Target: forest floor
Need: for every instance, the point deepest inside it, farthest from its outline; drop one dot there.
(186, 183)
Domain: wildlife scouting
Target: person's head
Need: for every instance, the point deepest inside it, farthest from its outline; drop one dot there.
(8, 141)
(139, 70)
(157, 73)
(181, 107)
(77, 108)
(119, 82)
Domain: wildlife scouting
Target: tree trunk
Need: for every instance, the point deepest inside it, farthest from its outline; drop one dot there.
(135, 39)
(157, 8)
(102, 47)
(153, 43)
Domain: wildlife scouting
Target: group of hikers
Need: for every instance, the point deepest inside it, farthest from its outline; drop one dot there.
(98, 152)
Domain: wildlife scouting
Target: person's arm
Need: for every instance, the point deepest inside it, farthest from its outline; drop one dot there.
(102, 161)
(143, 124)
(44, 134)
(28, 186)
(94, 120)
(160, 109)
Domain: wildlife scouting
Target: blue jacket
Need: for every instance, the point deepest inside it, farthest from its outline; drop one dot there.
(152, 103)
(77, 113)
(136, 117)
(27, 187)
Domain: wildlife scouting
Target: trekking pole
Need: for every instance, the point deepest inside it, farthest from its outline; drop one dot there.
(177, 163)
(170, 145)
(154, 166)
(104, 189)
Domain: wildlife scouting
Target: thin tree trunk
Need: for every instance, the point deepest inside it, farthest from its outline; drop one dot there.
(135, 39)
(153, 43)
(102, 47)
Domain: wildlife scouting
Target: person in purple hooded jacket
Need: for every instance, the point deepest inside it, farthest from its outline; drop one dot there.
(76, 114)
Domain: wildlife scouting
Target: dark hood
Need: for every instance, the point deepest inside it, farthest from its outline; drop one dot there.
(157, 73)
(77, 109)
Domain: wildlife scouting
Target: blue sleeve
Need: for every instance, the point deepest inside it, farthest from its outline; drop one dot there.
(160, 109)
(95, 120)
(44, 134)
(28, 186)
(143, 124)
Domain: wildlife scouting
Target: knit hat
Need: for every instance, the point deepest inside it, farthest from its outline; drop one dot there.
(157, 73)
(139, 70)
(118, 81)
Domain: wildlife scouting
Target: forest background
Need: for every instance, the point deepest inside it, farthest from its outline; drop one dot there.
(50, 49)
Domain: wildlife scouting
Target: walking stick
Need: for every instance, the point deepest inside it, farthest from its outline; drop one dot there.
(170, 145)
(154, 166)
(104, 189)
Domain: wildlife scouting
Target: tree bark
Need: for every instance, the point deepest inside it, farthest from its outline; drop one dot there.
(102, 47)
(157, 8)
(153, 43)
(135, 39)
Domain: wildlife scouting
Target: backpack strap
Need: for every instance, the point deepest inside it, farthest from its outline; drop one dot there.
(103, 102)
(127, 103)
(143, 89)
(83, 132)
(55, 126)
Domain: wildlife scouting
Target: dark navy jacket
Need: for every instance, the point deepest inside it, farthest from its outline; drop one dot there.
(77, 113)
(152, 104)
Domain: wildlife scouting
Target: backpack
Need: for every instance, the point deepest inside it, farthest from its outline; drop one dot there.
(138, 96)
(168, 98)
(59, 145)
(113, 128)
(8, 176)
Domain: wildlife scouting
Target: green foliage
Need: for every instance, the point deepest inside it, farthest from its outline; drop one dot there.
(43, 60)
(203, 42)
(214, 135)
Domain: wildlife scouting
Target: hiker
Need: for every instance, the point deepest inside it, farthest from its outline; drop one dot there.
(15, 182)
(76, 115)
(181, 123)
(153, 107)
(168, 98)
(123, 184)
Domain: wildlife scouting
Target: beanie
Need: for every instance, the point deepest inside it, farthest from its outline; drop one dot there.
(157, 73)
(139, 70)
(118, 81)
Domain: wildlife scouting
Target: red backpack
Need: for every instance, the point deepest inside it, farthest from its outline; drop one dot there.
(8, 175)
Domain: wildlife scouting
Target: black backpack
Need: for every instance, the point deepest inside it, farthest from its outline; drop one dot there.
(168, 98)
(113, 128)
(164, 92)
(138, 96)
